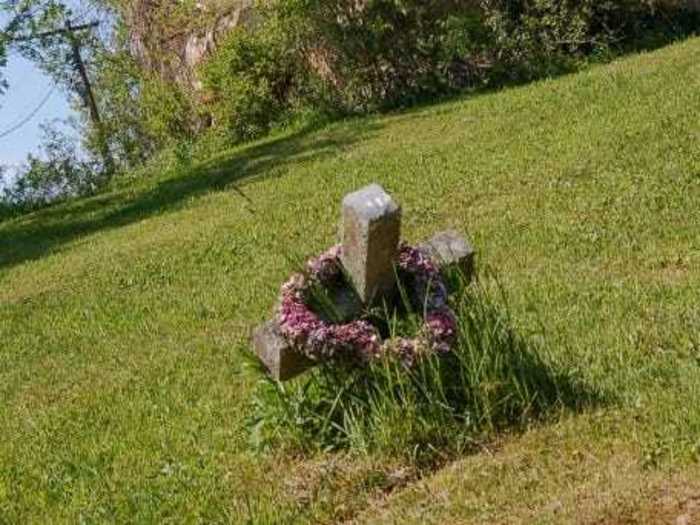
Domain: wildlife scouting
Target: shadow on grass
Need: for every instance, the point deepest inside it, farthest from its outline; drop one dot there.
(494, 380)
(35, 235)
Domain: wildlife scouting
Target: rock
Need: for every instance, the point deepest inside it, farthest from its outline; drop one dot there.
(371, 225)
(282, 361)
(683, 519)
(451, 250)
(173, 52)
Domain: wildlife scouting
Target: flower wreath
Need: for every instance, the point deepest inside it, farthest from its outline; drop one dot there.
(359, 339)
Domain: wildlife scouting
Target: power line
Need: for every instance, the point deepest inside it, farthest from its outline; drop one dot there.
(24, 103)
(62, 31)
(31, 114)
(69, 34)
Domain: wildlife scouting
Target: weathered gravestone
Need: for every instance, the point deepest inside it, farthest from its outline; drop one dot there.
(282, 361)
(371, 226)
(370, 232)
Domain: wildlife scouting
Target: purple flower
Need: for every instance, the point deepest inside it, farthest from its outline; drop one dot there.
(442, 329)
(326, 266)
(360, 340)
(406, 351)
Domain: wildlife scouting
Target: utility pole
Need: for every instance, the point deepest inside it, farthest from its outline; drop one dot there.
(87, 93)
(52, 33)
(89, 99)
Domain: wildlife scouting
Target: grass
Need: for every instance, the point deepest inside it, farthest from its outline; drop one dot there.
(123, 396)
(439, 408)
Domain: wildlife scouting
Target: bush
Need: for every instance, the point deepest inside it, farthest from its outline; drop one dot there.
(334, 58)
(347, 56)
(313, 57)
(383, 53)
(493, 379)
(119, 83)
(167, 112)
(254, 79)
(540, 37)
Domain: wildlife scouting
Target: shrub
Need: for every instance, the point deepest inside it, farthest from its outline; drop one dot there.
(334, 57)
(380, 53)
(535, 38)
(348, 56)
(119, 81)
(167, 113)
(254, 79)
(313, 57)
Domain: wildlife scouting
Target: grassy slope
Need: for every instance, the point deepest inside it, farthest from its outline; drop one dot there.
(122, 395)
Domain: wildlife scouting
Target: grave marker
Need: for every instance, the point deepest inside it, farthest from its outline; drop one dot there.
(371, 226)
(451, 250)
(370, 231)
(282, 361)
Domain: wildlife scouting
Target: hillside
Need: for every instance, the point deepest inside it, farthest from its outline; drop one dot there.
(123, 395)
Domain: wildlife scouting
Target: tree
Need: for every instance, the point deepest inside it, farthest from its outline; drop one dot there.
(44, 32)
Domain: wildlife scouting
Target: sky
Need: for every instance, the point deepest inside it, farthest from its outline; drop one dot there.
(33, 94)
(28, 88)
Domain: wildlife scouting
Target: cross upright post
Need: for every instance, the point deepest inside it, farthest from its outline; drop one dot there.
(371, 226)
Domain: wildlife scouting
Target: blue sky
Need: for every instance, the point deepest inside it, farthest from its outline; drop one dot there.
(28, 87)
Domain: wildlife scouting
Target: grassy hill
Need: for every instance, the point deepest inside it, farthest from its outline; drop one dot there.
(123, 396)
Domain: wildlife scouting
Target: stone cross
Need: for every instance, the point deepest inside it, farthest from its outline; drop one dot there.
(370, 231)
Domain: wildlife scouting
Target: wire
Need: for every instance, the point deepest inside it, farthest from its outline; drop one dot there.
(30, 116)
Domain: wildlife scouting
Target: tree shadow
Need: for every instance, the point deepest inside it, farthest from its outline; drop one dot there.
(37, 234)
(34, 235)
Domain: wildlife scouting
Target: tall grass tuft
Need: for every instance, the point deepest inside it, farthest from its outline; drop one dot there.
(445, 404)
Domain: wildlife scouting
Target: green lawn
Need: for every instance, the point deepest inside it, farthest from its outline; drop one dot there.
(122, 394)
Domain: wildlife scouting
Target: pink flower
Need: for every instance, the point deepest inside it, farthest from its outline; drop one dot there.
(360, 340)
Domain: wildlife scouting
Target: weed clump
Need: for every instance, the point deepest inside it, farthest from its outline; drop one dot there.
(446, 403)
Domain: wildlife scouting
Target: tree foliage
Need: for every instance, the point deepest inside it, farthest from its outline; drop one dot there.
(46, 33)
(350, 56)
(299, 56)
(57, 171)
